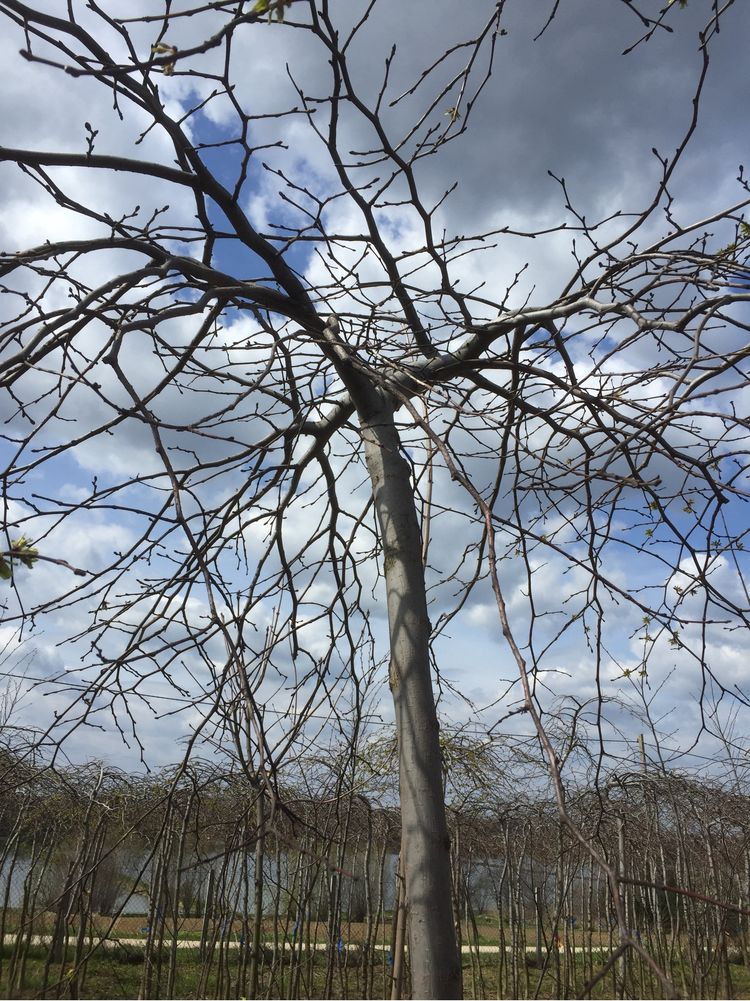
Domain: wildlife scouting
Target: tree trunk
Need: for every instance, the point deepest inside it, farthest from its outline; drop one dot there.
(433, 956)
(258, 944)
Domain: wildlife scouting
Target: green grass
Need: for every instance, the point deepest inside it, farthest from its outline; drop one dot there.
(117, 973)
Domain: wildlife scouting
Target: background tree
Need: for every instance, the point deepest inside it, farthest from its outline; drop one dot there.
(285, 395)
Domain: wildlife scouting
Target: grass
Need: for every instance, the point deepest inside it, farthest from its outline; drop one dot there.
(118, 974)
(117, 970)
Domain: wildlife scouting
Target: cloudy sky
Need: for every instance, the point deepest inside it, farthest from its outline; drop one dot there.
(567, 102)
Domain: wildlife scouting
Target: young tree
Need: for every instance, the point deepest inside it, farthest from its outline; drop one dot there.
(249, 292)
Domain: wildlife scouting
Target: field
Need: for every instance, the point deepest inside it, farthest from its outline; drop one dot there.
(181, 968)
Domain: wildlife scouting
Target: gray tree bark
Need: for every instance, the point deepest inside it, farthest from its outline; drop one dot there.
(433, 955)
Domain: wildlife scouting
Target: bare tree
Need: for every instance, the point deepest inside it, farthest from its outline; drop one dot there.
(251, 365)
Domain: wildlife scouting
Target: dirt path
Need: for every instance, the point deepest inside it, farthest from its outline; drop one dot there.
(190, 943)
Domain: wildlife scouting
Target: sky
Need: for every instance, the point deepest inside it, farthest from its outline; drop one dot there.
(563, 104)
